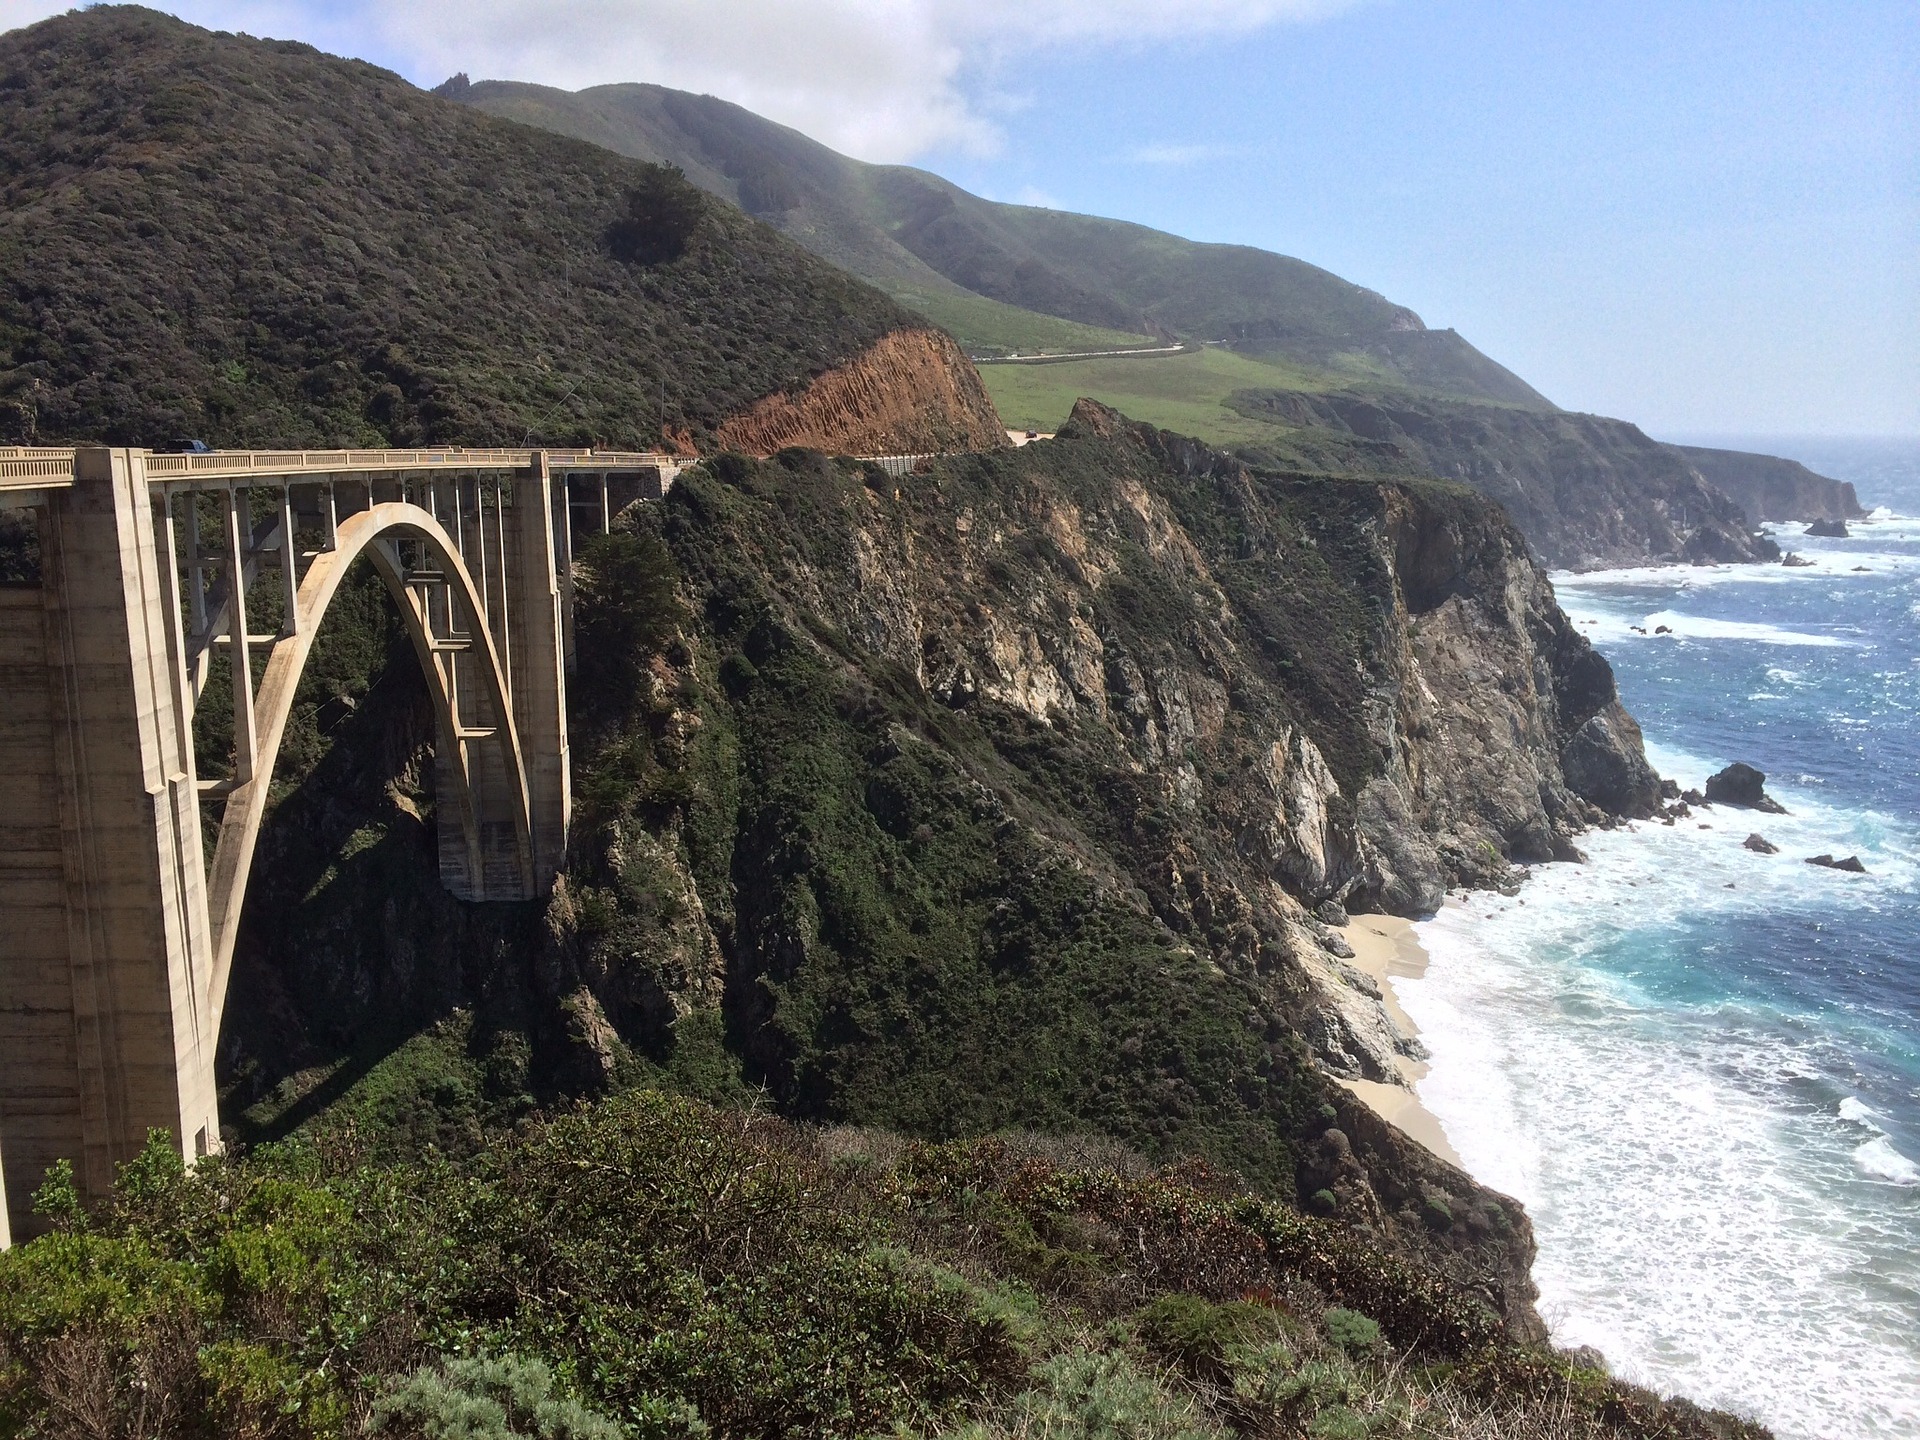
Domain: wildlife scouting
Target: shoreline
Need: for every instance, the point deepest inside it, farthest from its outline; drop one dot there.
(1385, 948)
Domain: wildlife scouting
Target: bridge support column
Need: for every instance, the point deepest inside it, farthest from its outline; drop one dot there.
(105, 955)
(537, 638)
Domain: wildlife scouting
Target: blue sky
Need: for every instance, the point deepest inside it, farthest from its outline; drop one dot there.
(1703, 216)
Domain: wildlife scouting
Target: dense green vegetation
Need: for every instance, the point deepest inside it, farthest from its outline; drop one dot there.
(936, 247)
(653, 1268)
(257, 244)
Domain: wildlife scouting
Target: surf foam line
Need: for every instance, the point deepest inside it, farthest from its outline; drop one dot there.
(1711, 1213)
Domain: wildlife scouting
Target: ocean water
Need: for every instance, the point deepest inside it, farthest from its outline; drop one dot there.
(1698, 1066)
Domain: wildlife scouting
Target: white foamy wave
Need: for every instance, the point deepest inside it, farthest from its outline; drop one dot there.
(1701, 864)
(1879, 1159)
(1689, 1222)
(1824, 561)
(1698, 627)
(1854, 1110)
(1604, 628)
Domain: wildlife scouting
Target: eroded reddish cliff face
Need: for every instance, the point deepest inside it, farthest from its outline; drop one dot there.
(911, 392)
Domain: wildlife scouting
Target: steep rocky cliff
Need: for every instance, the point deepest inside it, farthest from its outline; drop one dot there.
(1769, 488)
(1587, 491)
(1013, 794)
(911, 392)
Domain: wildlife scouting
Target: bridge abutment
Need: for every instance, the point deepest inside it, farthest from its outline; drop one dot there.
(105, 953)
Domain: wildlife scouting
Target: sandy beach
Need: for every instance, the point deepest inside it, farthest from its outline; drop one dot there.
(1385, 947)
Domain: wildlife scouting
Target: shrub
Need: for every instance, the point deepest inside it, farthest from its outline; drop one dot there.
(1088, 1395)
(58, 1198)
(1352, 1332)
(484, 1397)
(1199, 1336)
(1261, 1373)
(1339, 1422)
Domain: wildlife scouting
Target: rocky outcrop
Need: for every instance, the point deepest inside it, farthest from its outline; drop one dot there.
(1767, 487)
(1851, 864)
(1438, 720)
(912, 392)
(1742, 787)
(1587, 492)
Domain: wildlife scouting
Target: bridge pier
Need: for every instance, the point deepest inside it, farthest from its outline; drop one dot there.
(105, 955)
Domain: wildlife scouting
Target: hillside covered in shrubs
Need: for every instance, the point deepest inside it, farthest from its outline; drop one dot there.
(652, 1267)
(260, 245)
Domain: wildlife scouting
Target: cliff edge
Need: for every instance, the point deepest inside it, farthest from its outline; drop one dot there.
(1770, 488)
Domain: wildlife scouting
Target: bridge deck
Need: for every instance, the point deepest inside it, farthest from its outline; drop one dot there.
(25, 468)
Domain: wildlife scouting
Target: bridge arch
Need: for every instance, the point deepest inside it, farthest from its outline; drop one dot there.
(118, 937)
(445, 615)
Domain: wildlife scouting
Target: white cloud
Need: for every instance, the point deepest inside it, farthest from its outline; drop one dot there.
(881, 79)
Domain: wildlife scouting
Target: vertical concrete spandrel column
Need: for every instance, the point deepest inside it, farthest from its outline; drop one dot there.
(538, 626)
(139, 951)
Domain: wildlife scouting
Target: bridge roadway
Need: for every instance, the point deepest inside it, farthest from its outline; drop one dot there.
(116, 933)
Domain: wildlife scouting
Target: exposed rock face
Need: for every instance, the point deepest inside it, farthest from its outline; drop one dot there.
(1586, 491)
(1828, 529)
(1770, 488)
(912, 392)
(1605, 762)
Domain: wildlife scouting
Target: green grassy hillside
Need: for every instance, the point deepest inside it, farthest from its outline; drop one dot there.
(1187, 393)
(915, 234)
(990, 328)
(259, 244)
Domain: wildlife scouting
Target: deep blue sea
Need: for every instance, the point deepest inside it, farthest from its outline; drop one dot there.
(1700, 1066)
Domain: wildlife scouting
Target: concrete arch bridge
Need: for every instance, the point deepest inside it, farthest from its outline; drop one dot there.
(116, 933)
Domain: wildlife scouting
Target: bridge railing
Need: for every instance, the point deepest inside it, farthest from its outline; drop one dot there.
(51, 467)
